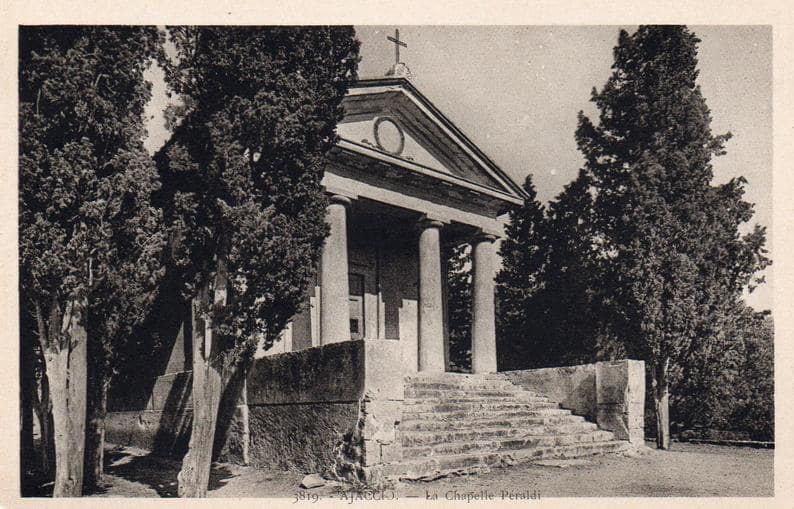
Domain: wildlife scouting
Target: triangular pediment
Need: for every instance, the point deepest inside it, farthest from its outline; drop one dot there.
(390, 117)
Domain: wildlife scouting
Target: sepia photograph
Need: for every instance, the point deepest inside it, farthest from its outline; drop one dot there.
(355, 263)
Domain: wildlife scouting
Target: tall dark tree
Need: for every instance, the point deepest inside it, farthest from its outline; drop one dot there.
(245, 207)
(577, 328)
(520, 321)
(459, 288)
(754, 410)
(88, 234)
(675, 263)
(729, 385)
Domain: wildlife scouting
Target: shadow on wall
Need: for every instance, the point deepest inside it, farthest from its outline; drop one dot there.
(150, 400)
(162, 346)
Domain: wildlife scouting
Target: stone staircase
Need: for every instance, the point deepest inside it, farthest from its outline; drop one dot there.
(455, 423)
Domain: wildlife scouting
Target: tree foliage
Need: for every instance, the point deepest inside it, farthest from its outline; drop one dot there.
(243, 168)
(459, 295)
(243, 200)
(729, 387)
(642, 255)
(550, 299)
(674, 262)
(89, 237)
(520, 322)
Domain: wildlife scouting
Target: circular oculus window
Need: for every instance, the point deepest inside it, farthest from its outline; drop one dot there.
(388, 136)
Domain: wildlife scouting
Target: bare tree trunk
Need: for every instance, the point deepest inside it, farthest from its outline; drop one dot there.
(661, 399)
(27, 379)
(43, 408)
(65, 356)
(95, 430)
(208, 382)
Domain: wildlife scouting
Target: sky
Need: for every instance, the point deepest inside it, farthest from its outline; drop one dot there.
(516, 91)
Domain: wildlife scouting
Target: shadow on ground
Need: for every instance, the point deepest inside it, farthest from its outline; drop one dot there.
(126, 466)
(156, 472)
(687, 470)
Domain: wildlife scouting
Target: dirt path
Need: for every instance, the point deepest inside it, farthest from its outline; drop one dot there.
(686, 471)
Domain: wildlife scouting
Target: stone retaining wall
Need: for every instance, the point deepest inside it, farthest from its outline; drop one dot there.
(610, 393)
(574, 387)
(160, 422)
(330, 409)
(334, 409)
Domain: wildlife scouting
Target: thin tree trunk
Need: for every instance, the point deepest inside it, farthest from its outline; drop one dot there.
(43, 408)
(65, 356)
(661, 397)
(27, 377)
(95, 430)
(208, 382)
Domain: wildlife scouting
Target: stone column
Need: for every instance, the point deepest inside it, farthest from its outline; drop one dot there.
(334, 291)
(483, 316)
(431, 320)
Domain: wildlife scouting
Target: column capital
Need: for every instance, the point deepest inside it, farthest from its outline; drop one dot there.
(340, 199)
(426, 222)
(483, 237)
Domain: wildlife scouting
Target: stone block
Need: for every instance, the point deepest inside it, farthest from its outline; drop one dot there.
(636, 414)
(232, 437)
(383, 369)
(312, 481)
(172, 392)
(391, 453)
(611, 417)
(620, 392)
(304, 437)
(381, 418)
(372, 453)
(327, 373)
(160, 432)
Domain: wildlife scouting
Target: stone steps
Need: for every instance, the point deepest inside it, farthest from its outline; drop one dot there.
(454, 423)
(434, 437)
(419, 425)
(518, 411)
(506, 443)
(449, 396)
(459, 393)
(463, 382)
(418, 407)
(434, 467)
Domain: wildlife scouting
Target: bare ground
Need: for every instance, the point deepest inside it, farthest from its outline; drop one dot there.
(687, 470)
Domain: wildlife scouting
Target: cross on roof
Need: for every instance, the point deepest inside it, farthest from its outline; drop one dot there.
(397, 43)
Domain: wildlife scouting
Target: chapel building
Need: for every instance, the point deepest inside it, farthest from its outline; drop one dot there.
(358, 385)
(403, 182)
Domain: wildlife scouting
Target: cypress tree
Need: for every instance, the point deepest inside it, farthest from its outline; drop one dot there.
(674, 262)
(521, 322)
(244, 203)
(89, 238)
(459, 288)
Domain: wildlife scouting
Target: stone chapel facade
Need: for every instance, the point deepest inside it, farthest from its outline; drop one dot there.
(403, 181)
(356, 387)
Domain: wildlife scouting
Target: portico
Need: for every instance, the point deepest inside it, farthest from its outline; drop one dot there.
(403, 183)
(355, 388)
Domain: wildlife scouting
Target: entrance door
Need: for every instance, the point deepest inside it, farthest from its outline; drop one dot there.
(356, 283)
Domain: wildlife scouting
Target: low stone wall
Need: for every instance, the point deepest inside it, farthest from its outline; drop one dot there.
(331, 409)
(574, 387)
(610, 393)
(162, 422)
